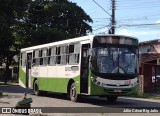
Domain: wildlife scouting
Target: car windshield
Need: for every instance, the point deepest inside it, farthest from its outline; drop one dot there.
(114, 60)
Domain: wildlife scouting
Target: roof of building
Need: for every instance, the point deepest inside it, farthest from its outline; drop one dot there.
(146, 57)
(155, 41)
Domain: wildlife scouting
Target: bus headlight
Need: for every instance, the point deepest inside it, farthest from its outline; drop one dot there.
(94, 79)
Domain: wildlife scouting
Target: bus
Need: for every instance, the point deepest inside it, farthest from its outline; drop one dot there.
(96, 65)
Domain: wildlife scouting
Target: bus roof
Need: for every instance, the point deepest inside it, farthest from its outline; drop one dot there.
(73, 40)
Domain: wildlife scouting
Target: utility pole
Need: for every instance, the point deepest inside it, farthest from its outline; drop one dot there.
(113, 23)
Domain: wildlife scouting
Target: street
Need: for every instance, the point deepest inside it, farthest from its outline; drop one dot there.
(16, 93)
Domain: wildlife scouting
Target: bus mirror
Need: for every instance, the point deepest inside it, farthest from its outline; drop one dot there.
(33, 64)
(90, 52)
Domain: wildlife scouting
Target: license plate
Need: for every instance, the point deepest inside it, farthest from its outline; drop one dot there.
(117, 91)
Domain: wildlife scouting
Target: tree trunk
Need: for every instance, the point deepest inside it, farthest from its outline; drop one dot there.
(7, 71)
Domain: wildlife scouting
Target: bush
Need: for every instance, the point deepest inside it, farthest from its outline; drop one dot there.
(2, 73)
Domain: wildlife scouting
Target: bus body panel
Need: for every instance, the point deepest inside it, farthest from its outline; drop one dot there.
(116, 87)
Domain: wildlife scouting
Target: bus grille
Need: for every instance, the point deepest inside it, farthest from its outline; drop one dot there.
(117, 86)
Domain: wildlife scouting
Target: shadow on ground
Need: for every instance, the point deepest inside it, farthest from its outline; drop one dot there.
(14, 89)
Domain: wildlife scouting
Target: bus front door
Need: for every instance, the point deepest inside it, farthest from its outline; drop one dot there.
(28, 70)
(84, 69)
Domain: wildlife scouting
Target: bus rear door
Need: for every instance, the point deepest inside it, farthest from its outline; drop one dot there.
(28, 70)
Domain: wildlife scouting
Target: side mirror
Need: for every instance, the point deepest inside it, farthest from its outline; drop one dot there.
(33, 64)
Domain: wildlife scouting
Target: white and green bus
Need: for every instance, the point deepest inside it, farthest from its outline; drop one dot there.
(98, 65)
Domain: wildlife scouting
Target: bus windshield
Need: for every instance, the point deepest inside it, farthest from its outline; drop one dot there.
(114, 60)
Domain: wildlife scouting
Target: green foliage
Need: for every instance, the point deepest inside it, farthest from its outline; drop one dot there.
(11, 11)
(26, 23)
(49, 21)
(135, 93)
(44, 35)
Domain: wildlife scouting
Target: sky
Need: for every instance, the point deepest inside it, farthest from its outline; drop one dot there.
(137, 18)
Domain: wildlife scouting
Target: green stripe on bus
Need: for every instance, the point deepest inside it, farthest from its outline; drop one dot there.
(22, 76)
(55, 84)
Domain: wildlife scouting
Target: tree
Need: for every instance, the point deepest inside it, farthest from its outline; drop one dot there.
(11, 11)
(52, 18)
(26, 23)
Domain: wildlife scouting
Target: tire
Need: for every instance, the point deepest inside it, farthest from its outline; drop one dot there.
(112, 98)
(36, 88)
(73, 94)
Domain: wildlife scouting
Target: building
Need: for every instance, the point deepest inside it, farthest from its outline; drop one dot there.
(150, 64)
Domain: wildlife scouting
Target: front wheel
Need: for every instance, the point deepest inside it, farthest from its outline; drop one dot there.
(73, 93)
(112, 98)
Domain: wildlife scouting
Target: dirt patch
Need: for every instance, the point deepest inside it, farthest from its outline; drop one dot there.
(3, 95)
(2, 102)
(13, 96)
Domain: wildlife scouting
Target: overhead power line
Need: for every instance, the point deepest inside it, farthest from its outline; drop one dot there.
(101, 7)
(101, 28)
(140, 24)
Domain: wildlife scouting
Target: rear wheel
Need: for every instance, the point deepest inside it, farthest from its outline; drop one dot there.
(112, 98)
(73, 93)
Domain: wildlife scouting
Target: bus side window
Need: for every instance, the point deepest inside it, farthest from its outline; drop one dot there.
(58, 55)
(33, 62)
(23, 59)
(74, 53)
(36, 59)
(62, 55)
(41, 58)
(52, 56)
(64, 52)
(45, 56)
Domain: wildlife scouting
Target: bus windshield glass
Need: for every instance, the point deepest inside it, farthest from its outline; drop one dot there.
(114, 60)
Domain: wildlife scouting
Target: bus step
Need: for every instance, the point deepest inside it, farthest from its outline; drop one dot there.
(84, 94)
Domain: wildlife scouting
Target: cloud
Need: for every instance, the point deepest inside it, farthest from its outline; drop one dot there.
(143, 35)
(158, 21)
(132, 32)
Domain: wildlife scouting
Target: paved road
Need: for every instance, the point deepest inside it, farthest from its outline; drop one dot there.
(16, 93)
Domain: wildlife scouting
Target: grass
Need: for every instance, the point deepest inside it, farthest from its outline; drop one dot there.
(144, 95)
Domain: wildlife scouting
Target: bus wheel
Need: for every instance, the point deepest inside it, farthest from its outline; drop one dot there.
(112, 98)
(72, 93)
(36, 88)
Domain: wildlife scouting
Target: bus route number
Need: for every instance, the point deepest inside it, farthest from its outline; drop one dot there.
(72, 68)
